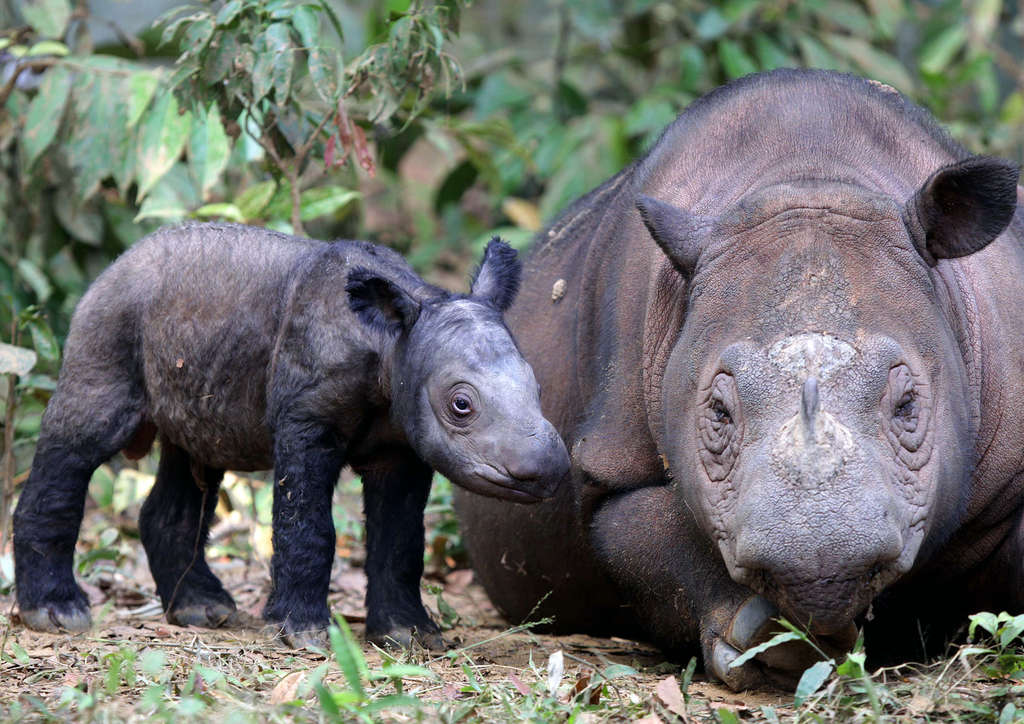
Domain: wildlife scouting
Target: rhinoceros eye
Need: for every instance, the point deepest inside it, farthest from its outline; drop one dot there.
(719, 433)
(462, 406)
(906, 407)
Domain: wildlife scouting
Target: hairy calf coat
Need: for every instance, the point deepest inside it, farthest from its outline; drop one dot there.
(243, 348)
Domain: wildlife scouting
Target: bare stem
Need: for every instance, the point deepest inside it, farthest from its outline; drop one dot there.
(8, 453)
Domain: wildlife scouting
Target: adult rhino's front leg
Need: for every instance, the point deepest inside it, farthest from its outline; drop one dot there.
(682, 593)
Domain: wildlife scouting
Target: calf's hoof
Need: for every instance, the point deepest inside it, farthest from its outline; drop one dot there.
(404, 637)
(58, 618)
(295, 636)
(779, 666)
(216, 614)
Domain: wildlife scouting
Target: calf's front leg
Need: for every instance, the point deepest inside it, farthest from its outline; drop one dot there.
(394, 495)
(308, 456)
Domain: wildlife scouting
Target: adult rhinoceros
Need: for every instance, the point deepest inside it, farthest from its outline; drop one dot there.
(786, 349)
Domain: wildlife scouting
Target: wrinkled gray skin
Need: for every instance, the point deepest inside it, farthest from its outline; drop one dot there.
(246, 349)
(788, 366)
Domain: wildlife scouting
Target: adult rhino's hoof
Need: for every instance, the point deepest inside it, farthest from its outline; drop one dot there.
(206, 615)
(404, 637)
(54, 618)
(779, 666)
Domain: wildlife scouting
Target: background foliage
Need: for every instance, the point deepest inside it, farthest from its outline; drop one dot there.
(424, 125)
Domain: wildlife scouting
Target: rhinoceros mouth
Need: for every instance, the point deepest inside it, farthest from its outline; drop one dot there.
(493, 483)
(824, 605)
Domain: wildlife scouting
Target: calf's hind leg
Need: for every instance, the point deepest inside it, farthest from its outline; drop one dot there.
(79, 432)
(174, 526)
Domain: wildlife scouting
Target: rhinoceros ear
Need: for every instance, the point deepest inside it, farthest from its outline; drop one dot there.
(380, 303)
(497, 279)
(679, 233)
(962, 207)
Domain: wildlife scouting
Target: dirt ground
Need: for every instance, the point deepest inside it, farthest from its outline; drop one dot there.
(127, 618)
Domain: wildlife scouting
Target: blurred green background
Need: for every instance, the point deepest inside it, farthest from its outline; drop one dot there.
(426, 126)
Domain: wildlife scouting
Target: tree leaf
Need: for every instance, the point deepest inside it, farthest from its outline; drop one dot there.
(735, 60)
(812, 680)
(984, 21)
(307, 25)
(324, 200)
(937, 53)
(224, 210)
(208, 148)
(48, 47)
(81, 221)
(162, 137)
(876, 63)
(141, 87)
(43, 340)
(221, 59)
(255, 198)
(49, 17)
(711, 24)
(770, 55)
(846, 15)
(229, 12)
(45, 113)
(323, 70)
(815, 55)
(94, 149)
(16, 360)
(262, 69)
(35, 279)
(279, 43)
(198, 34)
(887, 15)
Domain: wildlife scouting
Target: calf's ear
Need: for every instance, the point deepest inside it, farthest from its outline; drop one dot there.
(497, 279)
(379, 302)
(962, 207)
(679, 233)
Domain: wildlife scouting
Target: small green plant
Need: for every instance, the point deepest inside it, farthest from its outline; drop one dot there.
(361, 697)
(1004, 656)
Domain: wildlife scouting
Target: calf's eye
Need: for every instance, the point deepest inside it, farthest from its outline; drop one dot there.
(461, 405)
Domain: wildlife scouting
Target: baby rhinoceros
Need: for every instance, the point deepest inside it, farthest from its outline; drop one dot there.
(246, 349)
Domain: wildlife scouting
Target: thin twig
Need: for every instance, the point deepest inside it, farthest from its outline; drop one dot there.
(195, 548)
(19, 68)
(8, 454)
(7, 627)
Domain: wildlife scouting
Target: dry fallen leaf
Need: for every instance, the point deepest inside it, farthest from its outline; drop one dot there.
(556, 667)
(287, 688)
(582, 682)
(520, 686)
(649, 719)
(669, 694)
